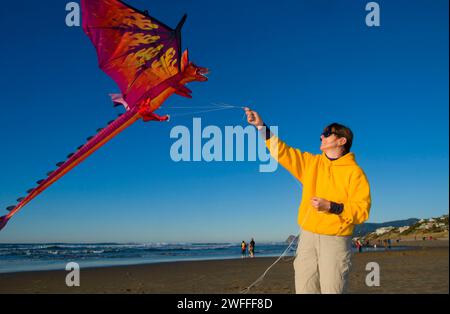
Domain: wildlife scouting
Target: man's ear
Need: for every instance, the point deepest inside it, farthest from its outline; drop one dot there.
(342, 141)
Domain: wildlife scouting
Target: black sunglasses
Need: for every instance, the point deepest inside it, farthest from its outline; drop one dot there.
(327, 133)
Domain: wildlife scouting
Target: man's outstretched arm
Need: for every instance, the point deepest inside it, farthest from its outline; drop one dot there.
(292, 159)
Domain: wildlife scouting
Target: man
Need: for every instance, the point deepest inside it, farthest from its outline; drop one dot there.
(336, 197)
(252, 248)
(243, 249)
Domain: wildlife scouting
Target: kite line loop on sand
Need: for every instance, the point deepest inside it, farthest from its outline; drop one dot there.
(261, 278)
(296, 239)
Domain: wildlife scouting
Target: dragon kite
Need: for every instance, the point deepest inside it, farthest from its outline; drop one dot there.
(144, 57)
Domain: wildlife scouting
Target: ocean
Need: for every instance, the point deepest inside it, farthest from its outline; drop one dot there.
(52, 256)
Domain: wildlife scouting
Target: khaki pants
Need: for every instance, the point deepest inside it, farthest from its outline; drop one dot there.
(322, 263)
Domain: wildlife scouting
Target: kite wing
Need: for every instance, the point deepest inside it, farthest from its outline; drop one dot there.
(136, 50)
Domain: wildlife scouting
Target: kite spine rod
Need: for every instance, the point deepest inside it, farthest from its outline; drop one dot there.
(81, 154)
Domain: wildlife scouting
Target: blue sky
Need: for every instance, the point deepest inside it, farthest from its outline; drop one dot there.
(301, 64)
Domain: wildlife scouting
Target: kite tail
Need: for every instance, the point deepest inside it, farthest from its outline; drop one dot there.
(93, 143)
(3, 221)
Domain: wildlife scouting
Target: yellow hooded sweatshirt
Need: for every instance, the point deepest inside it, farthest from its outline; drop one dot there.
(341, 181)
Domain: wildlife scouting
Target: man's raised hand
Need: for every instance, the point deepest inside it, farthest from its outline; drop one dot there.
(254, 118)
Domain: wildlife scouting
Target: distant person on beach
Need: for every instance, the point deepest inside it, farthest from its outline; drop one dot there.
(243, 249)
(336, 197)
(359, 246)
(251, 248)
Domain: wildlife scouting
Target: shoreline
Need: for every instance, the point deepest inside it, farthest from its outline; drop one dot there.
(104, 263)
(423, 269)
(142, 263)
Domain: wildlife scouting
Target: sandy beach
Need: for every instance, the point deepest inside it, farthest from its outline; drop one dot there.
(423, 269)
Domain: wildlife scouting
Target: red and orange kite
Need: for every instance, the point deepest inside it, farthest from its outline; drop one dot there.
(143, 56)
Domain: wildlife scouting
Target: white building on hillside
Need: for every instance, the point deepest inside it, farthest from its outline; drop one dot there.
(383, 230)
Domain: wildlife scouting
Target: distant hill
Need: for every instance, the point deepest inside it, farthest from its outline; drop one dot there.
(436, 227)
(403, 227)
(362, 230)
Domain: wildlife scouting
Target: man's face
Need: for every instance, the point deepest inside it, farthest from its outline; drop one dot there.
(330, 141)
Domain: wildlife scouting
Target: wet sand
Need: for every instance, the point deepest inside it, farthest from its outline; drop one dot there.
(423, 269)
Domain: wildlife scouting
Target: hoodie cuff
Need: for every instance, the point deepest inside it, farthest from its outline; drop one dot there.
(336, 208)
(267, 134)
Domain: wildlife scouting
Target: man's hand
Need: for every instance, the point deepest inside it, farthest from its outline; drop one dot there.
(253, 118)
(321, 204)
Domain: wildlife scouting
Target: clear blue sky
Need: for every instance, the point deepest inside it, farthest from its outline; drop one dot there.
(302, 64)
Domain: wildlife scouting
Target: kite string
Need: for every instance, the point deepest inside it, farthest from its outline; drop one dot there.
(281, 257)
(214, 107)
(260, 278)
(197, 112)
